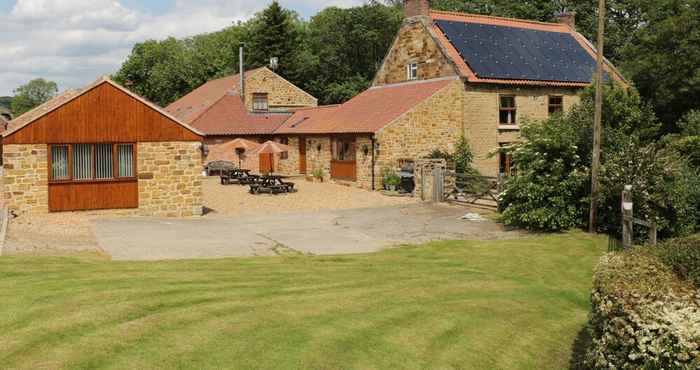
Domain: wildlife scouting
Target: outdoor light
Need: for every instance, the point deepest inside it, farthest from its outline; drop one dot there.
(205, 149)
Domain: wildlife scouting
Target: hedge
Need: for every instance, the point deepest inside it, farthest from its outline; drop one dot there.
(683, 255)
(643, 315)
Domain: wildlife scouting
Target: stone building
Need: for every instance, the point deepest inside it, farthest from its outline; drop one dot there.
(446, 76)
(224, 110)
(482, 78)
(102, 147)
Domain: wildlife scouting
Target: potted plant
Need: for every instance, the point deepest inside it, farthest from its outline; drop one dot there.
(317, 175)
(391, 180)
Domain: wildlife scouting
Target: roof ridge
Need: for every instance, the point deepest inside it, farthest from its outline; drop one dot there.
(519, 20)
(318, 107)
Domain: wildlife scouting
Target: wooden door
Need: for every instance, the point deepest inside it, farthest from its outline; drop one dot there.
(267, 163)
(343, 163)
(302, 155)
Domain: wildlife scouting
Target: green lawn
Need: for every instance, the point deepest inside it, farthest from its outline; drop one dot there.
(515, 304)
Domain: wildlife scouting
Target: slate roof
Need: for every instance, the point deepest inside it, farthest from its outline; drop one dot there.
(513, 51)
(367, 112)
(229, 116)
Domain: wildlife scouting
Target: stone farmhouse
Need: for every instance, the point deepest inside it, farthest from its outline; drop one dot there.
(102, 147)
(447, 75)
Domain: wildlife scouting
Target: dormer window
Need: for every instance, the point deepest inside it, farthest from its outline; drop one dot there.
(260, 102)
(412, 71)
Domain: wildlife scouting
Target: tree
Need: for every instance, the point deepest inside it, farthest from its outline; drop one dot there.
(275, 32)
(32, 94)
(663, 59)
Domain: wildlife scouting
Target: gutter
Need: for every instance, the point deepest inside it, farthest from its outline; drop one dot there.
(373, 140)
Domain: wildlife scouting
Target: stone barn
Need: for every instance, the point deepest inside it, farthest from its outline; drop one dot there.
(102, 147)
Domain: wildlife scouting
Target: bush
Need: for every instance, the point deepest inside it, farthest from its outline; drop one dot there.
(390, 178)
(683, 256)
(549, 191)
(643, 316)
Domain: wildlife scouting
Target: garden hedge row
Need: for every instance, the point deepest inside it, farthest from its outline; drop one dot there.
(643, 315)
(683, 255)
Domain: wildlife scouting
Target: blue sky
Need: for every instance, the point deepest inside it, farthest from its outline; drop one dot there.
(73, 42)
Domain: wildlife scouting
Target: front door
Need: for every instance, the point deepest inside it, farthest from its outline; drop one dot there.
(302, 155)
(267, 163)
(343, 162)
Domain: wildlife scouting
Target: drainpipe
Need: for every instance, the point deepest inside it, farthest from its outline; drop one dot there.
(241, 71)
(372, 141)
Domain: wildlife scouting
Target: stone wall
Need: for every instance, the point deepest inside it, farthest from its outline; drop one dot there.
(414, 44)
(281, 94)
(170, 179)
(481, 113)
(26, 178)
(318, 155)
(364, 163)
(290, 164)
(435, 123)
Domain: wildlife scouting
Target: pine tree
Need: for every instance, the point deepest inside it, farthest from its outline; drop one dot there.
(275, 33)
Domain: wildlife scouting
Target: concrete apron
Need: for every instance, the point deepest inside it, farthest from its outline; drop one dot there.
(320, 233)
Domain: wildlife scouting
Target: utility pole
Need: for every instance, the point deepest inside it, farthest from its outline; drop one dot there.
(598, 118)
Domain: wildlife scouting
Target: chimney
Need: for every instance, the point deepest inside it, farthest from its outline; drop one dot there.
(241, 71)
(416, 8)
(567, 18)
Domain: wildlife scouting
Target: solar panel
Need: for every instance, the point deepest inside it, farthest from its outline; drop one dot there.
(519, 54)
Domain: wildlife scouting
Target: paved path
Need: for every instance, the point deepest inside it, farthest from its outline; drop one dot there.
(325, 232)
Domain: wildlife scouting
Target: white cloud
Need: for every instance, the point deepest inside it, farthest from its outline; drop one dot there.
(73, 42)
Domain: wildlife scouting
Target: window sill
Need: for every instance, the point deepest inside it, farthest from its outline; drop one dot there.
(508, 128)
(73, 182)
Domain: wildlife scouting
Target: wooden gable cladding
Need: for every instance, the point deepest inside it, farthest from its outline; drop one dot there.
(102, 114)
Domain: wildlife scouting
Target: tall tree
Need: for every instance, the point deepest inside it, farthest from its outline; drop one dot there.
(663, 59)
(32, 94)
(275, 32)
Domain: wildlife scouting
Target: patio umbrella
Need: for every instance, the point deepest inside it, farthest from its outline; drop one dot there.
(272, 147)
(228, 151)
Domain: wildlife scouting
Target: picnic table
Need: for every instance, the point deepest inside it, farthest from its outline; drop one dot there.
(273, 184)
(236, 175)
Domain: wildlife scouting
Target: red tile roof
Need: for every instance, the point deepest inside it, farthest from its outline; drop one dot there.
(229, 116)
(191, 106)
(467, 72)
(365, 113)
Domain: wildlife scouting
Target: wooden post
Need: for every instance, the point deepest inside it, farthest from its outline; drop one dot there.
(598, 117)
(627, 217)
(652, 233)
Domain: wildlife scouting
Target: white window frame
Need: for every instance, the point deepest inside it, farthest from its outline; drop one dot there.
(412, 71)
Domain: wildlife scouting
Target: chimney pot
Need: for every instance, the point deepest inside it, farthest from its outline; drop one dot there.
(567, 18)
(416, 8)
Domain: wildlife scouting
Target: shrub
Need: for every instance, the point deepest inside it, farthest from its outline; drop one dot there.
(663, 190)
(643, 316)
(549, 190)
(683, 256)
(390, 178)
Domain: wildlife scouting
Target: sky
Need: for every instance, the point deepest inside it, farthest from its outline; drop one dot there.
(74, 42)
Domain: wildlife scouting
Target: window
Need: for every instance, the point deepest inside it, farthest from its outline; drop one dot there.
(82, 162)
(507, 110)
(260, 102)
(59, 163)
(285, 141)
(343, 149)
(125, 154)
(86, 162)
(556, 104)
(506, 166)
(412, 71)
